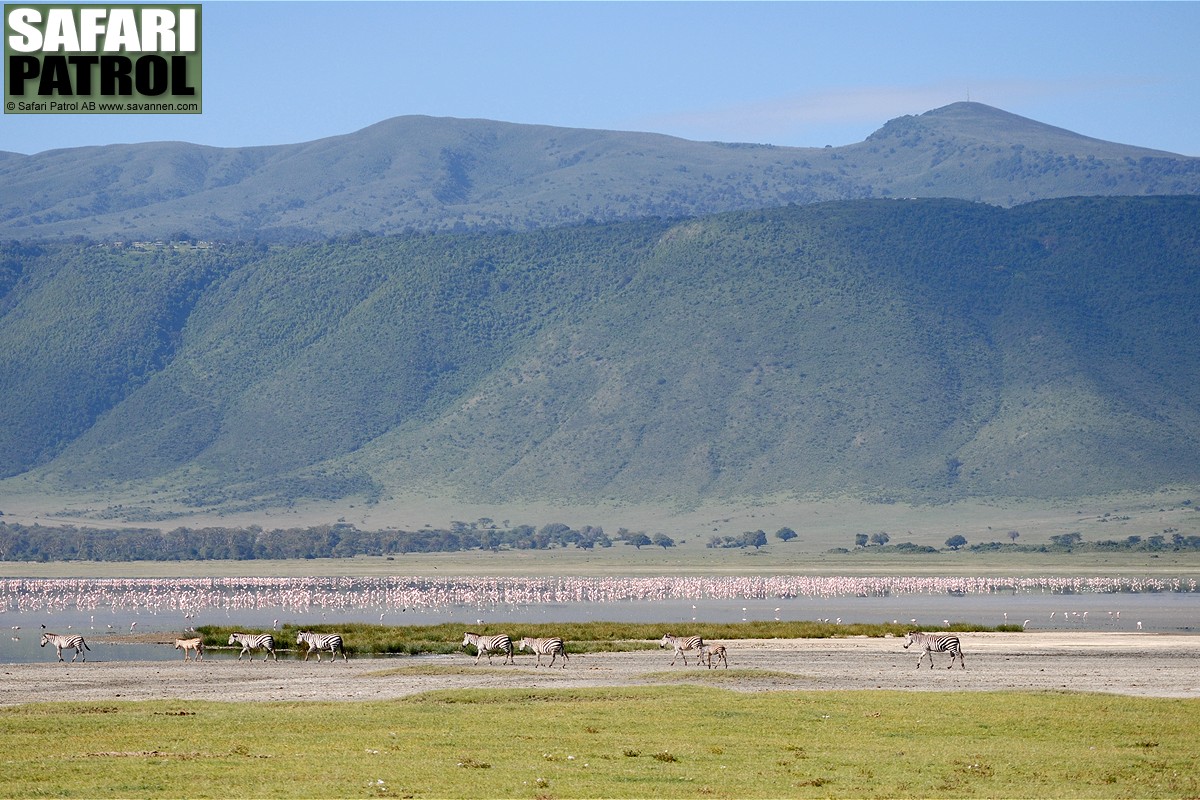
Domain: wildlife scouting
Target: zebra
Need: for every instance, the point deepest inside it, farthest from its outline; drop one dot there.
(188, 645)
(253, 641)
(73, 642)
(552, 647)
(711, 652)
(935, 643)
(489, 645)
(681, 644)
(321, 641)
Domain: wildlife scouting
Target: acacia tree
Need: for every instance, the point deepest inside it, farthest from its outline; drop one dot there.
(755, 539)
(638, 539)
(956, 541)
(785, 534)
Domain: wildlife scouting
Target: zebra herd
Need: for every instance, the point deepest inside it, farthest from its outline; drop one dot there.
(552, 646)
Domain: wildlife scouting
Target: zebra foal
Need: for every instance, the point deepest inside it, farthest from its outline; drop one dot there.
(253, 641)
(935, 643)
(321, 641)
(489, 645)
(552, 647)
(681, 644)
(188, 645)
(713, 652)
(72, 642)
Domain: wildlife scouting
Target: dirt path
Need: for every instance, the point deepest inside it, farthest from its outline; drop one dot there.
(1159, 665)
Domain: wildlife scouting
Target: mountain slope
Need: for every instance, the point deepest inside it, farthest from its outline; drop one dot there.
(422, 173)
(927, 349)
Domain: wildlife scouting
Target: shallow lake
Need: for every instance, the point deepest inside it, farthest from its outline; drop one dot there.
(106, 611)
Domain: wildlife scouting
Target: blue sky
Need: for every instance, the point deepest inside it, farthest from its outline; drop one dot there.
(788, 73)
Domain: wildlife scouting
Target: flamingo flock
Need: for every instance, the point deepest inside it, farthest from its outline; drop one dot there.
(190, 596)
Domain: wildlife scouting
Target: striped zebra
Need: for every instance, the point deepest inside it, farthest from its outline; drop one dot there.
(489, 645)
(713, 652)
(253, 641)
(552, 647)
(321, 641)
(73, 642)
(681, 645)
(935, 643)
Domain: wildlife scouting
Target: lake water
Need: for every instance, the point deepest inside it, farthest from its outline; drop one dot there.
(105, 611)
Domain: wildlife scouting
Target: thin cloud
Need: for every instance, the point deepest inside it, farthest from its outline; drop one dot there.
(862, 109)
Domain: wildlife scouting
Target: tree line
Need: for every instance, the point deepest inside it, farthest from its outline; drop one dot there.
(38, 542)
(1168, 539)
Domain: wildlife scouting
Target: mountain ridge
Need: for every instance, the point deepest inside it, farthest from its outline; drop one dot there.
(925, 350)
(418, 173)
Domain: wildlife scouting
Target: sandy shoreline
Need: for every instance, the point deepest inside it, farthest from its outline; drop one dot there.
(1146, 664)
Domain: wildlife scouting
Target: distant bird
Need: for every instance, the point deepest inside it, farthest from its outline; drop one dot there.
(1025, 624)
(131, 627)
(1139, 625)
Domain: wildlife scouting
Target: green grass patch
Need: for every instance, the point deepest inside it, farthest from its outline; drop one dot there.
(721, 676)
(666, 742)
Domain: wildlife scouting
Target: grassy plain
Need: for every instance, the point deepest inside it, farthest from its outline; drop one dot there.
(823, 526)
(667, 742)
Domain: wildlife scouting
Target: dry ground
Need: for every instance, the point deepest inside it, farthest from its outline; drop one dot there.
(1149, 664)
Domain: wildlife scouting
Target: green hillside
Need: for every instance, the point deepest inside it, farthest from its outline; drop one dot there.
(436, 174)
(918, 350)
